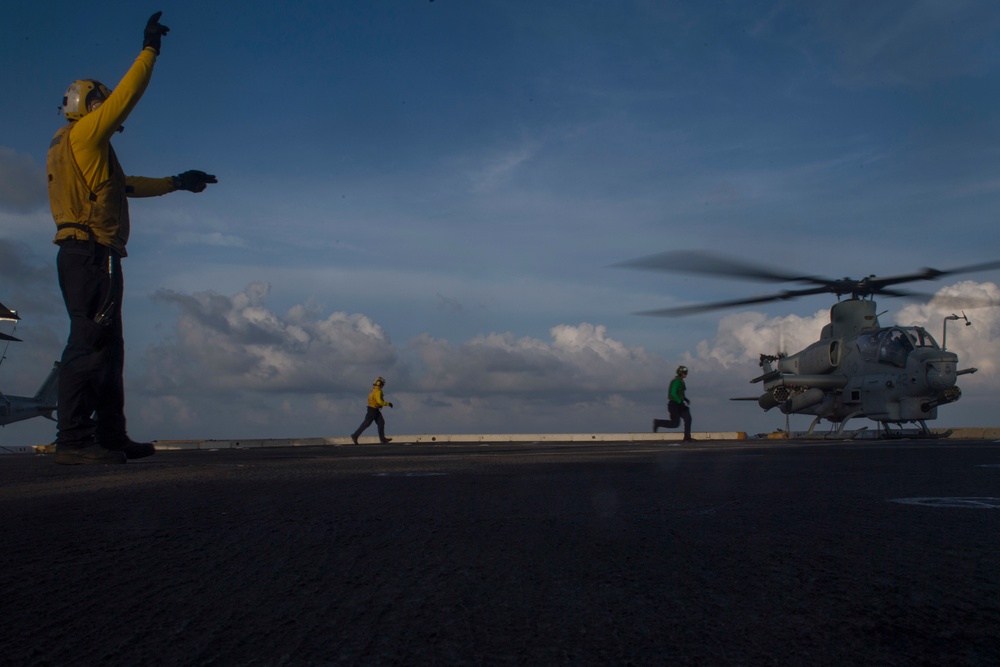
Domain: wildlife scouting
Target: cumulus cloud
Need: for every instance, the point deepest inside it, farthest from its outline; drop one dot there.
(236, 368)
(977, 345)
(237, 343)
(22, 182)
(577, 359)
(743, 337)
(233, 361)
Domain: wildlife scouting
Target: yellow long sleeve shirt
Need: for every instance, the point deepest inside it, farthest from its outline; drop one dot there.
(375, 399)
(86, 184)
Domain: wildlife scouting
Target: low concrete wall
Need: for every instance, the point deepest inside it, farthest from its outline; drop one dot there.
(527, 438)
(963, 433)
(975, 433)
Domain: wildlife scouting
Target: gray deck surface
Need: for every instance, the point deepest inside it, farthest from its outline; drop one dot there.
(735, 553)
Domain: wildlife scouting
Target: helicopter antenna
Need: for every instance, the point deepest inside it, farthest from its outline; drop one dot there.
(8, 340)
(944, 327)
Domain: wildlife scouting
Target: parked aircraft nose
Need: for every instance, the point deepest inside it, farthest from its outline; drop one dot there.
(940, 374)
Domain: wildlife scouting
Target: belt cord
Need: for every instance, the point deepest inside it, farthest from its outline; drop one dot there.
(103, 316)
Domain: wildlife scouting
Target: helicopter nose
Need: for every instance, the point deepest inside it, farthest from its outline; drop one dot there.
(940, 374)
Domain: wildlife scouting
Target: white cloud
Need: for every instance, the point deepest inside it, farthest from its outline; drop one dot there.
(237, 344)
(235, 368)
(743, 337)
(234, 363)
(977, 345)
(579, 359)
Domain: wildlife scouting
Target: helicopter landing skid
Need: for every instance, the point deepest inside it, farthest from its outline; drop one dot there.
(840, 433)
(924, 433)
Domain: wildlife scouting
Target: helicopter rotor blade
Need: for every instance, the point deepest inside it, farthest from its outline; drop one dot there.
(699, 262)
(905, 294)
(690, 261)
(722, 305)
(877, 284)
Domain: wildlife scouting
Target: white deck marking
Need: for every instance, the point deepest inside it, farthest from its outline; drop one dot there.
(969, 503)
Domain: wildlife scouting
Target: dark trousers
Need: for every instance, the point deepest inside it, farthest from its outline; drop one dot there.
(91, 388)
(373, 415)
(678, 412)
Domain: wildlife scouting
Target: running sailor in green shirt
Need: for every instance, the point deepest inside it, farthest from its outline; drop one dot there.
(677, 405)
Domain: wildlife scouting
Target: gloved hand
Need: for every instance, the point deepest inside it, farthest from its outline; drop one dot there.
(389, 404)
(154, 31)
(193, 180)
(687, 401)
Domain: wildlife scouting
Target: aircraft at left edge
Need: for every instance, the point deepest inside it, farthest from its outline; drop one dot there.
(43, 403)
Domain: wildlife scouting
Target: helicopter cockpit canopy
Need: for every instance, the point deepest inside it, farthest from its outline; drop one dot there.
(920, 338)
(893, 345)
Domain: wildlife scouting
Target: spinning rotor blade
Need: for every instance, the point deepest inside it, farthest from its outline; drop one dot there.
(967, 303)
(929, 274)
(687, 261)
(691, 261)
(722, 305)
(906, 295)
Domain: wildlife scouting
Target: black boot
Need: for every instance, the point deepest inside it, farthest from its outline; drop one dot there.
(88, 454)
(131, 448)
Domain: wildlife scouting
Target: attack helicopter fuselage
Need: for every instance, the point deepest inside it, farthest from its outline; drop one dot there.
(860, 369)
(857, 368)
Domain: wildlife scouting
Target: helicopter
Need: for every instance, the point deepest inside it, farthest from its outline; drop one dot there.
(858, 368)
(43, 403)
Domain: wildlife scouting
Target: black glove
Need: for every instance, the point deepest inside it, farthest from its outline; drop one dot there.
(389, 404)
(193, 180)
(687, 401)
(154, 31)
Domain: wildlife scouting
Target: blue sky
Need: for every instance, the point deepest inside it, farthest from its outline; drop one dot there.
(435, 192)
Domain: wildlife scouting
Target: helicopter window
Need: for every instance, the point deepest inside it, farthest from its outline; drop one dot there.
(868, 346)
(920, 338)
(895, 347)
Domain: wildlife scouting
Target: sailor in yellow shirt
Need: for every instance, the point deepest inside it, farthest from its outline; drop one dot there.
(88, 193)
(375, 404)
